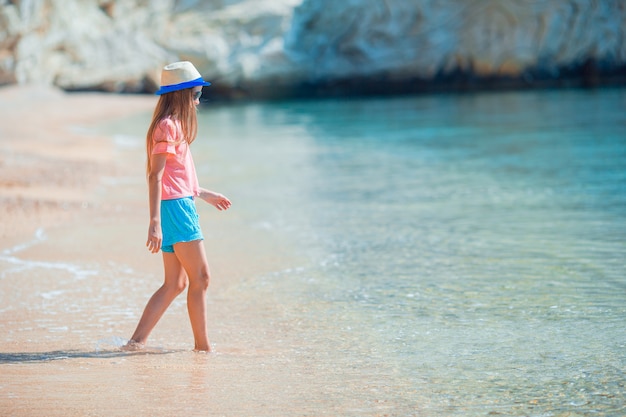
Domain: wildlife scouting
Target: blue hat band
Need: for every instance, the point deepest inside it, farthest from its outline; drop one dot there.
(187, 84)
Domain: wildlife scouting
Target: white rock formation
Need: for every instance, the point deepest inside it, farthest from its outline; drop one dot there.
(120, 45)
(76, 44)
(426, 37)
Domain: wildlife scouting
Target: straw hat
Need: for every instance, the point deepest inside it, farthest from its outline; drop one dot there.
(178, 76)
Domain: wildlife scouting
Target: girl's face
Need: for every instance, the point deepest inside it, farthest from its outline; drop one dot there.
(197, 92)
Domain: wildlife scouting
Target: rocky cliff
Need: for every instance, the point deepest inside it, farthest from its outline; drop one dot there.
(282, 47)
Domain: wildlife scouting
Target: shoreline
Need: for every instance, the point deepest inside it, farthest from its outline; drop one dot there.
(383, 85)
(76, 275)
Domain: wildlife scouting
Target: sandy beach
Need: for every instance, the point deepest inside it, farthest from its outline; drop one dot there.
(74, 277)
(51, 164)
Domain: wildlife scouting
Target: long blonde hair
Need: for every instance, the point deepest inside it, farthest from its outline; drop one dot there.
(179, 105)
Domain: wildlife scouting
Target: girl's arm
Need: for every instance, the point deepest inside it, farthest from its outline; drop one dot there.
(155, 236)
(219, 201)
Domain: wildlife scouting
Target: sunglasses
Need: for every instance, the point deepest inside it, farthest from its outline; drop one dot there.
(197, 95)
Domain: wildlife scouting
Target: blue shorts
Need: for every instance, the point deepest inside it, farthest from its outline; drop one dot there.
(179, 222)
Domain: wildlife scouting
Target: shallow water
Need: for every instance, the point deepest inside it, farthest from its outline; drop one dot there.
(450, 255)
(469, 248)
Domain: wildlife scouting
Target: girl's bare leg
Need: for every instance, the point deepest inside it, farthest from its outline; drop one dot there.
(193, 259)
(175, 283)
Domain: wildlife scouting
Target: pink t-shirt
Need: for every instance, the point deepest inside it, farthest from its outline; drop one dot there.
(179, 177)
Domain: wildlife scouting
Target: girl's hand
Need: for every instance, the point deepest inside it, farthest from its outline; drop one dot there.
(219, 201)
(155, 237)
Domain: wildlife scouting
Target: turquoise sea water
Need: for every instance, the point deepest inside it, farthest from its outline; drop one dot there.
(465, 254)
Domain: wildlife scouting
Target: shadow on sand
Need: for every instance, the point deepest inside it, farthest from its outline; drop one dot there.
(30, 357)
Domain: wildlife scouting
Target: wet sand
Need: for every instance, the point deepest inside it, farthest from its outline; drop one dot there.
(74, 274)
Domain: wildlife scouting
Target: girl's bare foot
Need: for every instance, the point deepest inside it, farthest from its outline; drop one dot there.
(203, 349)
(132, 346)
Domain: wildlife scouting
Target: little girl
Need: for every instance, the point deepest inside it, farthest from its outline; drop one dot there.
(173, 185)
